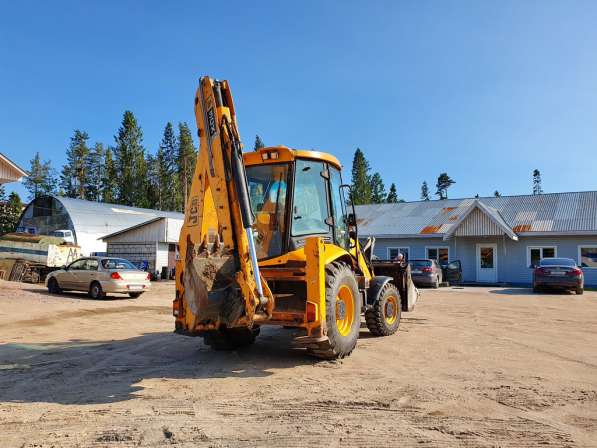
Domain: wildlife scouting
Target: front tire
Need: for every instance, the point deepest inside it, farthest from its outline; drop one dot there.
(383, 319)
(95, 291)
(343, 312)
(53, 287)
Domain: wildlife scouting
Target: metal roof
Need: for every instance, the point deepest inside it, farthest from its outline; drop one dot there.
(573, 213)
(102, 219)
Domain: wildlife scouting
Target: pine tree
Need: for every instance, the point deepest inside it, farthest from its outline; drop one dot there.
(130, 162)
(424, 191)
(10, 211)
(41, 179)
(378, 189)
(497, 194)
(537, 189)
(392, 195)
(443, 183)
(186, 157)
(109, 183)
(73, 179)
(361, 180)
(166, 170)
(154, 191)
(96, 172)
(258, 143)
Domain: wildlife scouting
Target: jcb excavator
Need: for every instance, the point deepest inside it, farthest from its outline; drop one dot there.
(270, 238)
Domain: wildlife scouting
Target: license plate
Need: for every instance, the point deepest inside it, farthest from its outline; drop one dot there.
(558, 273)
(135, 287)
(416, 272)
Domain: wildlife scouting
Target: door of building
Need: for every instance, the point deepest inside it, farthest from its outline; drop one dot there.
(487, 269)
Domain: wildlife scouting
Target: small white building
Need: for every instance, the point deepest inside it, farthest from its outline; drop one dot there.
(153, 242)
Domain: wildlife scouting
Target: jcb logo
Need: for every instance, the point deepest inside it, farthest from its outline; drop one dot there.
(211, 122)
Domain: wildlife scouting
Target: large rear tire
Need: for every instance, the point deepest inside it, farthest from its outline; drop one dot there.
(231, 338)
(343, 312)
(383, 318)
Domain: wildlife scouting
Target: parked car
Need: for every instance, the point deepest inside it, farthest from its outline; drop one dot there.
(560, 273)
(452, 272)
(99, 276)
(426, 272)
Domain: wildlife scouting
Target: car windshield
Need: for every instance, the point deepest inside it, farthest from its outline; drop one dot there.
(420, 263)
(557, 262)
(267, 189)
(117, 263)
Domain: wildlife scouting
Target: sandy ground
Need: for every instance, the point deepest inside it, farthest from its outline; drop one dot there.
(488, 367)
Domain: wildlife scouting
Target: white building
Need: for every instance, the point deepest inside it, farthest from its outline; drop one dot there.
(87, 221)
(153, 242)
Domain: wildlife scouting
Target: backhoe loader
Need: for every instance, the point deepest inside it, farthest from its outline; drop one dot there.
(270, 238)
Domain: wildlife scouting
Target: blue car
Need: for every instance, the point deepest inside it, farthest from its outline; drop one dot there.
(558, 273)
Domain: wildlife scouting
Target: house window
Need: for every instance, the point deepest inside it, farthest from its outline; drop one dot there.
(536, 253)
(439, 254)
(587, 256)
(394, 251)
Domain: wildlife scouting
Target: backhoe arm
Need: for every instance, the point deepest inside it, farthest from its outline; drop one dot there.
(218, 279)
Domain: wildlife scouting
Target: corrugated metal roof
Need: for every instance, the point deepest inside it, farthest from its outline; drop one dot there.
(553, 212)
(102, 219)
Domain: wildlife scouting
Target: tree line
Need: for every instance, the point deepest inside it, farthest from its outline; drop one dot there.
(367, 188)
(123, 173)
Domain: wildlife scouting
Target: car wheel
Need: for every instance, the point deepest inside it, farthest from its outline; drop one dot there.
(53, 287)
(436, 284)
(95, 291)
(580, 291)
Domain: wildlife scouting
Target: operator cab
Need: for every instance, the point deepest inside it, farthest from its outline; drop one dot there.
(295, 194)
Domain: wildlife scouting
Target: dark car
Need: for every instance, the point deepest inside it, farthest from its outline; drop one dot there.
(426, 272)
(452, 271)
(560, 273)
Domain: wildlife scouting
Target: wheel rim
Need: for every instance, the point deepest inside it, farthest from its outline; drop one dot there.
(391, 310)
(344, 310)
(94, 291)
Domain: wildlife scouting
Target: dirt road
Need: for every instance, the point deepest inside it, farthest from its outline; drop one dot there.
(470, 367)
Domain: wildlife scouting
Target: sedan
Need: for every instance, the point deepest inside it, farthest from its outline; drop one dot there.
(561, 273)
(99, 276)
(426, 272)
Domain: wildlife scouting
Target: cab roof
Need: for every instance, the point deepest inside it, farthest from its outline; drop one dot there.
(285, 154)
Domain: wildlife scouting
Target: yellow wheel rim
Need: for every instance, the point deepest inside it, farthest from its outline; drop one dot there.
(344, 310)
(390, 310)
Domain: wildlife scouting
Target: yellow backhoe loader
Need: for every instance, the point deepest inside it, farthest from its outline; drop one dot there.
(270, 238)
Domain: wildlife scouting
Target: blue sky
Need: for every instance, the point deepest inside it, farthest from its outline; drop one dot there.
(486, 91)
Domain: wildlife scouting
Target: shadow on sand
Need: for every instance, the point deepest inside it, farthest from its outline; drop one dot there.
(529, 292)
(82, 372)
(77, 295)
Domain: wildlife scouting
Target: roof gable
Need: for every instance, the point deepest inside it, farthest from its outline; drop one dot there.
(480, 220)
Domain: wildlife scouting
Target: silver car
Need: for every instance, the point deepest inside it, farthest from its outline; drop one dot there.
(99, 276)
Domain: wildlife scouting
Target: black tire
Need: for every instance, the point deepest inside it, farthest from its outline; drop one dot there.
(340, 276)
(580, 291)
(230, 338)
(95, 291)
(53, 287)
(383, 319)
(135, 295)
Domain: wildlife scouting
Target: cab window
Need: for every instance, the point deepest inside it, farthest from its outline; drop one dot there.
(310, 208)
